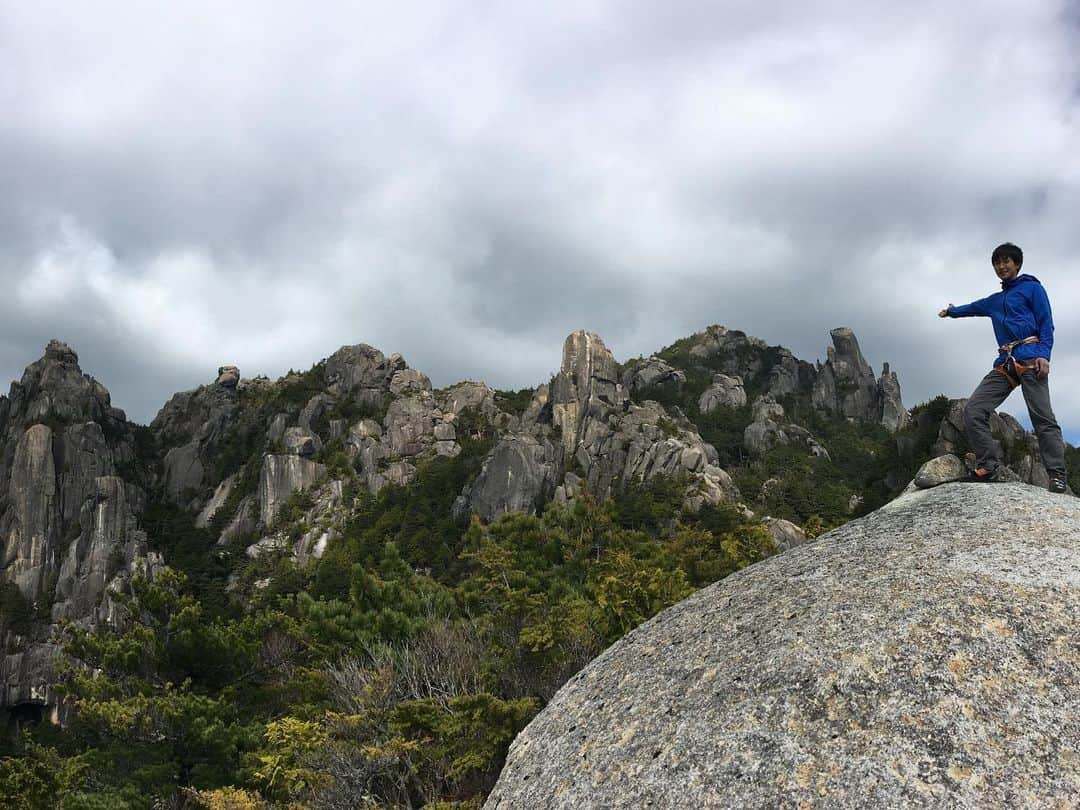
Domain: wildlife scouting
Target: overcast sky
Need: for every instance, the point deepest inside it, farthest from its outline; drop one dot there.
(185, 186)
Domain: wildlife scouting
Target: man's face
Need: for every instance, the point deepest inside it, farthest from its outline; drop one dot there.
(1006, 268)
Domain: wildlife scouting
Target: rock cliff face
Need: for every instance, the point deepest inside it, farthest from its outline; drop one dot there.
(922, 656)
(192, 426)
(70, 496)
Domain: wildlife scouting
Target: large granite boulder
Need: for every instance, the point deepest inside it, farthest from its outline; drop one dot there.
(785, 534)
(409, 381)
(725, 391)
(468, 395)
(788, 375)
(652, 373)
(314, 410)
(940, 470)
(300, 441)
(921, 656)
(410, 425)
(228, 376)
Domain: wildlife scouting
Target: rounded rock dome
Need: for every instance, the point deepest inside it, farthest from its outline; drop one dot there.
(926, 655)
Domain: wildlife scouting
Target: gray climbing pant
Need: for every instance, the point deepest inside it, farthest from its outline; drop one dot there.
(991, 392)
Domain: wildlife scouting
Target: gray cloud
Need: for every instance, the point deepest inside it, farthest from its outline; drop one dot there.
(465, 185)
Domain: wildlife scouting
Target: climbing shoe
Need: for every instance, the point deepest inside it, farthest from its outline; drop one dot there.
(982, 475)
(1057, 481)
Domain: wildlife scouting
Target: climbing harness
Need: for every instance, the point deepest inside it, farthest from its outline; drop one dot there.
(1012, 368)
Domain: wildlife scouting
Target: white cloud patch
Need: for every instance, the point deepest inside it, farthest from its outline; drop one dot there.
(186, 187)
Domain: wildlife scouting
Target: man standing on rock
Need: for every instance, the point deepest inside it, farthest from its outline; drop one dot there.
(1024, 329)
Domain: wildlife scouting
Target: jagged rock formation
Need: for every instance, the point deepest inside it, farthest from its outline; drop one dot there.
(608, 438)
(922, 656)
(893, 415)
(70, 496)
(846, 386)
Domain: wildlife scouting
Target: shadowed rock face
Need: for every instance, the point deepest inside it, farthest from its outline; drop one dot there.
(68, 522)
(922, 656)
(189, 428)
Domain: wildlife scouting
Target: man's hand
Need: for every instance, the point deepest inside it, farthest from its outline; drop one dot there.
(945, 312)
(1042, 368)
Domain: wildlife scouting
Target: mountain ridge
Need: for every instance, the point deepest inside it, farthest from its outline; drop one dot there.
(320, 493)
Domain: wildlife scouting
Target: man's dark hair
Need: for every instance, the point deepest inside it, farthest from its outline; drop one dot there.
(1008, 251)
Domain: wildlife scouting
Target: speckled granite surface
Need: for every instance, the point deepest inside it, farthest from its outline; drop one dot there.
(927, 655)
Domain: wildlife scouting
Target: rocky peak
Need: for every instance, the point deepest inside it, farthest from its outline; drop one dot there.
(59, 352)
(68, 521)
(893, 414)
(846, 385)
(747, 358)
(54, 388)
(587, 386)
(360, 367)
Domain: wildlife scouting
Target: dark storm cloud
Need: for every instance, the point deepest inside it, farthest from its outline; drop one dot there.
(185, 188)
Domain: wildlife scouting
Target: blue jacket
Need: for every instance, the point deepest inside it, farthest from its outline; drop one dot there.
(1020, 310)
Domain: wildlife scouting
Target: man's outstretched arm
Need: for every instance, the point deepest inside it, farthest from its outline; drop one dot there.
(980, 307)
